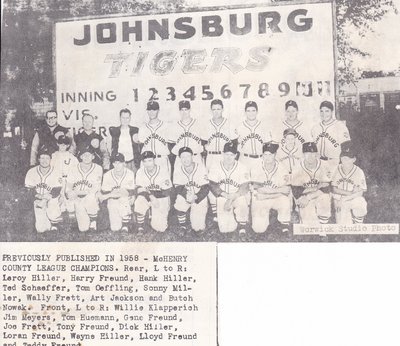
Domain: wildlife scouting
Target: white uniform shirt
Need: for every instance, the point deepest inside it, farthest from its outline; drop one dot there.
(229, 180)
(252, 138)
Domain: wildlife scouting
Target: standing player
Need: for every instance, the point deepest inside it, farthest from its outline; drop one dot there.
(118, 189)
(229, 182)
(191, 184)
(63, 160)
(270, 190)
(154, 136)
(45, 182)
(311, 187)
(154, 190)
(348, 187)
(252, 134)
(83, 185)
(329, 134)
(289, 154)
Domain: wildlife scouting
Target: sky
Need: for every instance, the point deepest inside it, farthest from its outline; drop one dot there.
(383, 45)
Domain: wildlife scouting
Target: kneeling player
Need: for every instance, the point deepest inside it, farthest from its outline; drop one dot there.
(191, 184)
(154, 190)
(311, 187)
(45, 182)
(83, 185)
(229, 182)
(271, 190)
(348, 187)
(118, 189)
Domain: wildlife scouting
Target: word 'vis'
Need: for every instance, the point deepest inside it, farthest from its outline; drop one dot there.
(211, 26)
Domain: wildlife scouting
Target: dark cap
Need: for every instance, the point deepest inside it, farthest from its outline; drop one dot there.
(270, 147)
(88, 149)
(185, 150)
(44, 151)
(327, 104)
(347, 149)
(291, 103)
(153, 106)
(63, 140)
(184, 104)
(310, 147)
(148, 155)
(118, 158)
(250, 104)
(289, 131)
(230, 147)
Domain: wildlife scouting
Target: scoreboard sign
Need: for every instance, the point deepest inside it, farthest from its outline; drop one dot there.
(268, 54)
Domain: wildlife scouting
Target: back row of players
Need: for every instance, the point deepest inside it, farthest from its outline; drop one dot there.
(246, 169)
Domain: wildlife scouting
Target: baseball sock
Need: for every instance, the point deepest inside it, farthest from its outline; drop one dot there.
(358, 219)
(181, 218)
(323, 219)
(214, 209)
(140, 219)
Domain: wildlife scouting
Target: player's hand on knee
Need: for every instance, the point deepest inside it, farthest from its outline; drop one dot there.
(303, 201)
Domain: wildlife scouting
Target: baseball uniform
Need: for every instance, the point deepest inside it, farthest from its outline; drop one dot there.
(229, 181)
(192, 183)
(349, 210)
(47, 212)
(276, 178)
(86, 207)
(303, 134)
(155, 184)
(289, 158)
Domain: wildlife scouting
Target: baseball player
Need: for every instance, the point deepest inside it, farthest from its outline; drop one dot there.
(311, 187)
(45, 182)
(118, 189)
(289, 154)
(187, 133)
(229, 182)
(252, 134)
(271, 190)
(329, 134)
(348, 187)
(83, 185)
(154, 136)
(191, 184)
(217, 132)
(154, 190)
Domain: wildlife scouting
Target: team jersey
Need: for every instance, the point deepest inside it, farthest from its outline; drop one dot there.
(156, 181)
(311, 178)
(329, 137)
(112, 182)
(278, 177)
(155, 139)
(43, 183)
(192, 181)
(289, 158)
(252, 138)
(347, 182)
(187, 136)
(229, 181)
(217, 135)
(64, 162)
(303, 133)
(86, 181)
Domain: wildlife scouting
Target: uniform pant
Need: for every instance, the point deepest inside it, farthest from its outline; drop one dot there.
(159, 214)
(45, 216)
(119, 211)
(212, 161)
(86, 208)
(352, 211)
(317, 210)
(260, 211)
(198, 212)
(239, 213)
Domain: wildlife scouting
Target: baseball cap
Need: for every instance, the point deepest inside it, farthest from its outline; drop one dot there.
(347, 149)
(270, 147)
(185, 150)
(63, 140)
(148, 155)
(289, 131)
(291, 103)
(118, 158)
(327, 104)
(153, 106)
(230, 147)
(310, 147)
(251, 104)
(44, 151)
(88, 149)
(184, 104)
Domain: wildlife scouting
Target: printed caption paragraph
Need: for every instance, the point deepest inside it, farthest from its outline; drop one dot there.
(75, 294)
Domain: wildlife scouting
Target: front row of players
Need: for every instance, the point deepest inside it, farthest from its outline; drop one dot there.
(242, 196)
